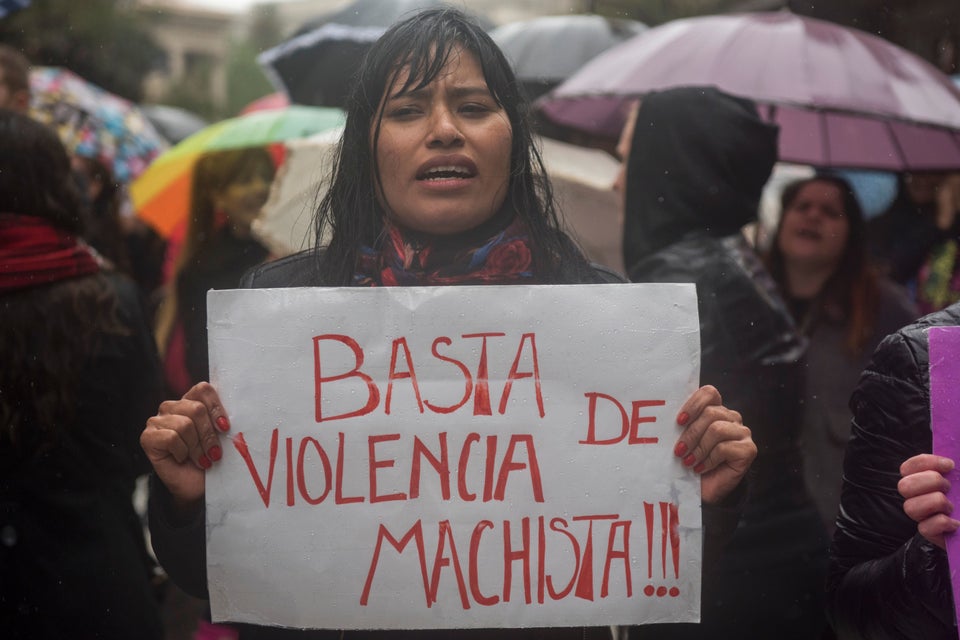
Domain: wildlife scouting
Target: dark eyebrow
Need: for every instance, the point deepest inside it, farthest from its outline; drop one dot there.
(456, 92)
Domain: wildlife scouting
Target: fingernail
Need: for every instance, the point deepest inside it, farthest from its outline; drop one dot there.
(204, 462)
(680, 450)
(698, 468)
(683, 418)
(223, 424)
(689, 460)
(215, 453)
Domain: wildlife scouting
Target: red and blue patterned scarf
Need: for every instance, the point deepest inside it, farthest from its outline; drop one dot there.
(407, 260)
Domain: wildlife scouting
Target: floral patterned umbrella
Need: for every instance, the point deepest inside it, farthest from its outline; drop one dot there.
(93, 122)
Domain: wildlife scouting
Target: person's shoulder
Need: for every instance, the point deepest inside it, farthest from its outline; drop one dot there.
(606, 275)
(905, 352)
(298, 270)
(896, 307)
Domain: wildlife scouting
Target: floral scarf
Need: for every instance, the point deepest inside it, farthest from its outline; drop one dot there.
(407, 260)
(938, 284)
(35, 252)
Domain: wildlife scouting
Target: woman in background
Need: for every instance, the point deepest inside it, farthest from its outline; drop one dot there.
(80, 372)
(844, 308)
(228, 190)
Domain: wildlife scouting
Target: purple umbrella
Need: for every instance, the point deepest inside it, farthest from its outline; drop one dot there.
(842, 97)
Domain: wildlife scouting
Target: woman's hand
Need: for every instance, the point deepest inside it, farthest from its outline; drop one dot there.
(181, 442)
(924, 488)
(715, 443)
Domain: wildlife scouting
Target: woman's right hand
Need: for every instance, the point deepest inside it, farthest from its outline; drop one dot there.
(182, 442)
(924, 489)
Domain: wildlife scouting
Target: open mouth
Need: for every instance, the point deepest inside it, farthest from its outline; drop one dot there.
(809, 234)
(446, 172)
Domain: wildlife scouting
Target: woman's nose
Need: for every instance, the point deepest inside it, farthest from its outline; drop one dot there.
(444, 130)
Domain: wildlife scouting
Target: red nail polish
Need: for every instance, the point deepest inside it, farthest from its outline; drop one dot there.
(204, 462)
(215, 453)
(223, 424)
(689, 460)
(698, 468)
(683, 418)
(680, 450)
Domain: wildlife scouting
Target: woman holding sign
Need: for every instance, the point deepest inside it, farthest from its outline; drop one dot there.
(437, 182)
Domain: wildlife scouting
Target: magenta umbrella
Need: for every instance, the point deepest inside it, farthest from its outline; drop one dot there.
(842, 97)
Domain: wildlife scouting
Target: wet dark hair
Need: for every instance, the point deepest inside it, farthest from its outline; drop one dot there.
(350, 213)
(35, 174)
(850, 294)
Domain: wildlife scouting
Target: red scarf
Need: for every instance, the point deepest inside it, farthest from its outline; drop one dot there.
(404, 260)
(34, 252)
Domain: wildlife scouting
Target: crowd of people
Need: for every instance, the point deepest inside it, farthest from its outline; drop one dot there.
(824, 509)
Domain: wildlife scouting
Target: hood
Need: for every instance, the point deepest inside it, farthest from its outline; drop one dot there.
(698, 161)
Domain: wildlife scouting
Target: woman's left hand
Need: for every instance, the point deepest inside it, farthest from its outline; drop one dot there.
(714, 443)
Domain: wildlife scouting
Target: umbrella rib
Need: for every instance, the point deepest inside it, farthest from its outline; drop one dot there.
(896, 142)
(824, 137)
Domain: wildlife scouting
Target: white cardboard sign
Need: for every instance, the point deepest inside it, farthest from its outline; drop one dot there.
(454, 457)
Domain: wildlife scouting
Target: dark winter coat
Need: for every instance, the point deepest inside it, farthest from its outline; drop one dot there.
(73, 557)
(886, 581)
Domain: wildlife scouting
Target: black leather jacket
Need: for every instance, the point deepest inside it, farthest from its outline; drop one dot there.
(887, 581)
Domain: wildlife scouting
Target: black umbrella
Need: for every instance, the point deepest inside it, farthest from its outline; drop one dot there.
(547, 50)
(317, 66)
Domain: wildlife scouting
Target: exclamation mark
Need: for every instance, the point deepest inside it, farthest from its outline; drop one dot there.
(669, 533)
(675, 545)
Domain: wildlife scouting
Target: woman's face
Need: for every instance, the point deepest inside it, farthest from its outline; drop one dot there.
(444, 151)
(815, 228)
(242, 199)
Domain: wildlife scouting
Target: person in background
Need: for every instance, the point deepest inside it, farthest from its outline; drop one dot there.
(889, 576)
(228, 190)
(79, 370)
(695, 163)
(102, 225)
(818, 258)
(14, 80)
(910, 235)
(132, 245)
(437, 182)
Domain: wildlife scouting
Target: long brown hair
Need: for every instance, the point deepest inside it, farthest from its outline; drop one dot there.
(850, 294)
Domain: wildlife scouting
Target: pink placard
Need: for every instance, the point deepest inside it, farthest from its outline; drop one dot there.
(945, 422)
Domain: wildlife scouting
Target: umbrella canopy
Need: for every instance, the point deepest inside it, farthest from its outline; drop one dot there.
(173, 123)
(547, 50)
(842, 97)
(93, 122)
(161, 196)
(317, 66)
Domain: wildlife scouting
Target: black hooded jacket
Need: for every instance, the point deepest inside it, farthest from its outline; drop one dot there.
(699, 159)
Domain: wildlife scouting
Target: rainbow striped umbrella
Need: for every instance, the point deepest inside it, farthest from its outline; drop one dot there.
(161, 195)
